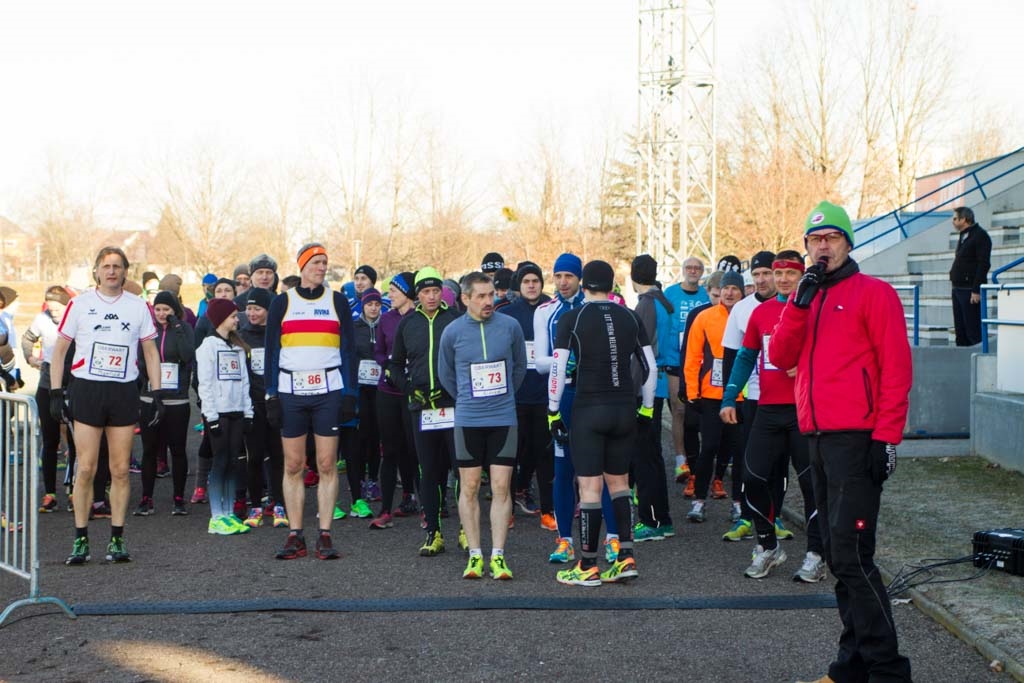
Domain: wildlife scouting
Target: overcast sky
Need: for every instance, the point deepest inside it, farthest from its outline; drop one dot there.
(126, 80)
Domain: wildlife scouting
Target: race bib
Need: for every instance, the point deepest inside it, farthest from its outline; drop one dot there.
(169, 376)
(716, 373)
(369, 372)
(488, 379)
(764, 353)
(108, 360)
(229, 367)
(531, 356)
(437, 418)
(256, 358)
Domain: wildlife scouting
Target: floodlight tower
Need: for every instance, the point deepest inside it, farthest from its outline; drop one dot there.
(676, 133)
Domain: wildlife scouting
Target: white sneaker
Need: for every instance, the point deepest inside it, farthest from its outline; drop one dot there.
(764, 561)
(812, 570)
(696, 513)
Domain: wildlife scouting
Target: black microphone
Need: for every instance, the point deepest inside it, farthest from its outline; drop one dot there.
(810, 282)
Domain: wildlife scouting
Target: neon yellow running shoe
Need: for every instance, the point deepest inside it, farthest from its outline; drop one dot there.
(474, 568)
(578, 576)
(463, 542)
(621, 570)
(499, 569)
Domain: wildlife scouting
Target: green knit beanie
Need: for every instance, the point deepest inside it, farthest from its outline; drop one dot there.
(829, 215)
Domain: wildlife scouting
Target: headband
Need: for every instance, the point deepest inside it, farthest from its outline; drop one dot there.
(306, 254)
(786, 263)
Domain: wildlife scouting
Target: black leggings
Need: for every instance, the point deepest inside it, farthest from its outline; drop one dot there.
(399, 454)
(717, 441)
(775, 435)
(50, 429)
(348, 448)
(263, 445)
(171, 433)
(369, 433)
(649, 471)
(535, 453)
(436, 452)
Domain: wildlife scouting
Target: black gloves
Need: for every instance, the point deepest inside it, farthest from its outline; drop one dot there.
(881, 461)
(151, 413)
(213, 426)
(644, 416)
(809, 285)
(559, 432)
(349, 407)
(57, 404)
(417, 400)
(274, 412)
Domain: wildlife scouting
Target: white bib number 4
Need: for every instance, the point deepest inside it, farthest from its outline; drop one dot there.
(437, 418)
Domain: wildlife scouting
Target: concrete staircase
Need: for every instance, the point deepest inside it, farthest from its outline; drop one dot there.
(924, 259)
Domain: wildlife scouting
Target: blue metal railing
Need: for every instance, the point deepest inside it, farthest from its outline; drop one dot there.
(916, 315)
(986, 321)
(999, 271)
(979, 185)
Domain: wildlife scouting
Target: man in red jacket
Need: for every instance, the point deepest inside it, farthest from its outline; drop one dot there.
(846, 334)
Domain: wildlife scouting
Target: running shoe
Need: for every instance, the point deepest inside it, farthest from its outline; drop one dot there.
(667, 530)
(682, 473)
(463, 541)
(79, 552)
(100, 511)
(525, 502)
(360, 509)
(339, 513)
(162, 470)
(382, 522)
(621, 570)
(280, 518)
(199, 496)
(408, 507)
(10, 527)
(434, 545)
(179, 509)
(474, 568)
(311, 479)
(134, 467)
(238, 509)
(268, 507)
(145, 508)
(736, 512)
(373, 491)
(578, 576)
(611, 549)
(564, 552)
(739, 531)
(547, 521)
(294, 547)
(764, 561)
(49, 503)
(781, 532)
(117, 551)
(220, 526)
(499, 568)
(325, 549)
(642, 533)
(812, 570)
(697, 513)
(255, 518)
(342, 466)
(691, 484)
(718, 490)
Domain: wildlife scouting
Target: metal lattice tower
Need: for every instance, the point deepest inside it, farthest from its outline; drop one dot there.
(676, 133)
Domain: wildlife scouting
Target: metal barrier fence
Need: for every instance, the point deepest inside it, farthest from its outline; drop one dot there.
(19, 485)
(916, 315)
(986, 321)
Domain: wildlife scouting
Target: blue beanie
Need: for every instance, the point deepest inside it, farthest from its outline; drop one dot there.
(569, 263)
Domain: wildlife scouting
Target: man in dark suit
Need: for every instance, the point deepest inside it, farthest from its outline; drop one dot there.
(968, 274)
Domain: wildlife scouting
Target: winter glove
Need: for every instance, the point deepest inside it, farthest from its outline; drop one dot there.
(809, 285)
(213, 426)
(348, 409)
(57, 404)
(881, 461)
(559, 432)
(435, 397)
(644, 416)
(274, 412)
(417, 400)
(152, 413)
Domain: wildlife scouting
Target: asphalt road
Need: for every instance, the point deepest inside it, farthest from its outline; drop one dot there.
(176, 560)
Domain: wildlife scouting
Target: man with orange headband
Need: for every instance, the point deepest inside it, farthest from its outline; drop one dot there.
(311, 385)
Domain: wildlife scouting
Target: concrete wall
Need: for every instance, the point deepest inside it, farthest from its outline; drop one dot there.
(939, 400)
(997, 419)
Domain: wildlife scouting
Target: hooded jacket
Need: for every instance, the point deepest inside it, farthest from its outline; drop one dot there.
(176, 345)
(853, 360)
(655, 313)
